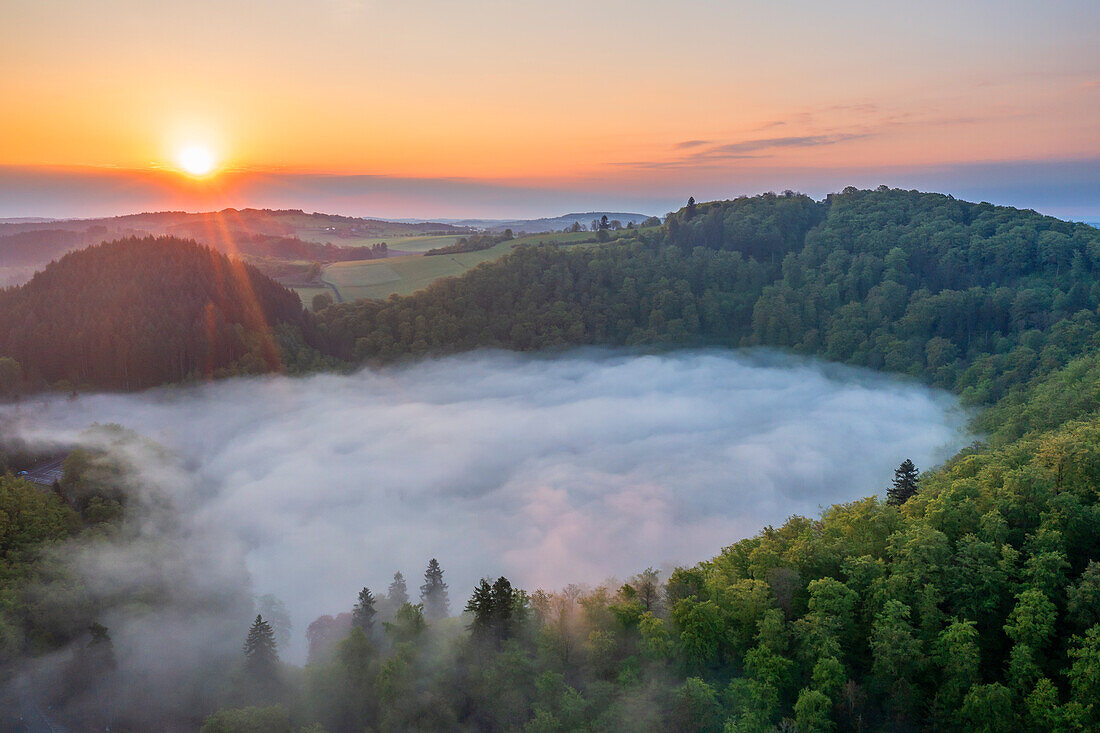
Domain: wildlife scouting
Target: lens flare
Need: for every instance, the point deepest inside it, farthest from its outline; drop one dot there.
(196, 160)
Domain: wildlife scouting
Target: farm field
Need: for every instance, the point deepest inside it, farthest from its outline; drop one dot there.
(305, 294)
(403, 275)
(404, 244)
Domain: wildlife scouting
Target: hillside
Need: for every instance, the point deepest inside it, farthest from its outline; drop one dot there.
(140, 312)
(969, 601)
(971, 297)
(290, 235)
(972, 606)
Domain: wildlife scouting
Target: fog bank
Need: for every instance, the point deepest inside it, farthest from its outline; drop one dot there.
(549, 470)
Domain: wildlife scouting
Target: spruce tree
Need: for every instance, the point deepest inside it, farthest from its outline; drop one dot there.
(261, 657)
(503, 605)
(398, 594)
(906, 483)
(433, 594)
(362, 615)
(481, 606)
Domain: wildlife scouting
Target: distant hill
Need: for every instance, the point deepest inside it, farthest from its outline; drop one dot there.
(289, 234)
(551, 224)
(136, 313)
(27, 249)
(283, 222)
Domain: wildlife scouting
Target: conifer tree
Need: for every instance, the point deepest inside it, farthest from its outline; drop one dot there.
(503, 607)
(398, 594)
(906, 483)
(481, 606)
(261, 657)
(433, 594)
(362, 615)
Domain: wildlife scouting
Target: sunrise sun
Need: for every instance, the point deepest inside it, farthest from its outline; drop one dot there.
(196, 160)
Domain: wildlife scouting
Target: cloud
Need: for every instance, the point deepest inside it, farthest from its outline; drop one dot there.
(715, 154)
(553, 470)
(690, 144)
(770, 143)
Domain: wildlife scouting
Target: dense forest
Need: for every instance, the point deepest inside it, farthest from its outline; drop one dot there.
(141, 312)
(972, 297)
(967, 600)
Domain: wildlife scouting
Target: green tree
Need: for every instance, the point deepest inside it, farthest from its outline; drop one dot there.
(1084, 674)
(812, 712)
(957, 654)
(989, 709)
(1032, 619)
(407, 624)
(433, 594)
(1083, 598)
(696, 707)
(397, 594)
(896, 655)
(261, 657)
(362, 614)
(480, 606)
(906, 484)
(701, 631)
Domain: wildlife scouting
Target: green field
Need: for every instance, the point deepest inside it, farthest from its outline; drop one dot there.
(405, 275)
(306, 295)
(406, 244)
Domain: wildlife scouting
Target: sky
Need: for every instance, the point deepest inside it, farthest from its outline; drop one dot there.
(512, 108)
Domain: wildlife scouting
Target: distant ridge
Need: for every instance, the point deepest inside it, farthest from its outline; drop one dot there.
(554, 223)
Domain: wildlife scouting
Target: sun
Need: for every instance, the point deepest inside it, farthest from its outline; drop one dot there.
(196, 160)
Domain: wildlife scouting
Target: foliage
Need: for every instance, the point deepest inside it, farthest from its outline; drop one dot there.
(141, 312)
(433, 594)
(906, 484)
(967, 605)
(472, 243)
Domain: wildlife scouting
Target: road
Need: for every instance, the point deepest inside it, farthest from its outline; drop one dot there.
(326, 283)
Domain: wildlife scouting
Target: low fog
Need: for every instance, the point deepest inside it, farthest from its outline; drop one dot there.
(549, 470)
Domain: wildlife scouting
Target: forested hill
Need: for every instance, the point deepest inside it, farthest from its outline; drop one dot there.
(972, 297)
(140, 312)
(968, 602)
(972, 605)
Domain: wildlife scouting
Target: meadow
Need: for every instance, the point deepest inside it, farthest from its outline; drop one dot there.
(404, 275)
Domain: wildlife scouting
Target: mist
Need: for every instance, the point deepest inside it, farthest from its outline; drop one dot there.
(549, 470)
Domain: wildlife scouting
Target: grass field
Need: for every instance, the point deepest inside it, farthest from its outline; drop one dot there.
(405, 244)
(306, 295)
(405, 275)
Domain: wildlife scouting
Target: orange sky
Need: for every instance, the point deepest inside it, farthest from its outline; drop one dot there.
(569, 94)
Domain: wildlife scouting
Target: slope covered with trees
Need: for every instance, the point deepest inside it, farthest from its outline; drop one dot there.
(973, 297)
(970, 600)
(141, 312)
